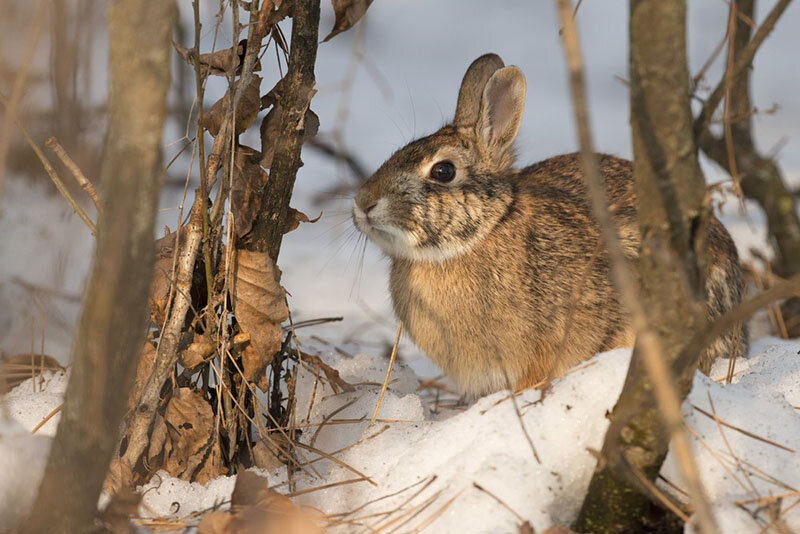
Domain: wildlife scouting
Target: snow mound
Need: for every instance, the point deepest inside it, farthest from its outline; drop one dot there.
(446, 472)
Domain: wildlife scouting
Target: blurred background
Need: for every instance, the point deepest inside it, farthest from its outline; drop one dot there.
(392, 78)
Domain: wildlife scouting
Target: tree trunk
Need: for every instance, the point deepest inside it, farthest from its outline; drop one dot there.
(760, 177)
(298, 88)
(111, 333)
(670, 191)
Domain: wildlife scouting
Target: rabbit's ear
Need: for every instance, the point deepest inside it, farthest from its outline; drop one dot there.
(471, 92)
(501, 110)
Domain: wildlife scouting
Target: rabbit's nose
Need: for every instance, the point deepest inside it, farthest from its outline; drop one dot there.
(369, 208)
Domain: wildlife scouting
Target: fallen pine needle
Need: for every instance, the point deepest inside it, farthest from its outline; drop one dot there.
(47, 418)
(388, 374)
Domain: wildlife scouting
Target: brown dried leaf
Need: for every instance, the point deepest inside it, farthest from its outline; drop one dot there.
(192, 451)
(259, 303)
(347, 13)
(216, 523)
(246, 110)
(268, 17)
(197, 352)
(267, 454)
(256, 509)
(162, 276)
(249, 180)
(217, 63)
(295, 217)
(118, 477)
(271, 129)
(143, 369)
(553, 530)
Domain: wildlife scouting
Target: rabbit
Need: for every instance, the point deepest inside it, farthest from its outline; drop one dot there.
(498, 274)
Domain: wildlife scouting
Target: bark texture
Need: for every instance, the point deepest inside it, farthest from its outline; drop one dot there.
(111, 332)
(670, 191)
(298, 89)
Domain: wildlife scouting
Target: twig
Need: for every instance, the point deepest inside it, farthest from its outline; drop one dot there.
(53, 144)
(665, 393)
(51, 171)
(388, 374)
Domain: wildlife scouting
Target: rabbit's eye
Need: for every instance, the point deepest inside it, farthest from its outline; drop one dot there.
(443, 172)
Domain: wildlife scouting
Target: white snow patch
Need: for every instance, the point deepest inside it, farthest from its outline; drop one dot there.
(22, 461)
(426, 462)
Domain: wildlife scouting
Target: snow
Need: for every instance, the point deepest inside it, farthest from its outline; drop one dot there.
(415, 456)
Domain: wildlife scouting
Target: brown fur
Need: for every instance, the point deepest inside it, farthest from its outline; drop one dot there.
(500, 276)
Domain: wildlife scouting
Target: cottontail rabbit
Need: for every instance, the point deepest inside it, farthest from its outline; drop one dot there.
(498, 273)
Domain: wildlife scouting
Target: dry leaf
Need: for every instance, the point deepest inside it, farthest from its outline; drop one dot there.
(197, 352)
(249, 180)
(191, 451)
(555, 530)
(162, 276)
(147, 361)
(267, 455)
(246, 110)
(295, 217)
(18, 368)
(116, 517)
(259, 303)
(347, 13)
(216, 523)
(217, 63)
(271, 129)
(268, 17)
(256, 509)
(118, 477)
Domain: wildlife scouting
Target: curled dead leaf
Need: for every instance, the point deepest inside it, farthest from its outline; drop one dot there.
(191, 448)
(248, 184)
(347, 13)
(266, 456)
(295, 217)
(256, 509)
(197, 352)
(259, 303)
(217, 63)
(147, 361)
(162, 276)
(118, 477)
(269, 17)
(246, 110)
(270, 131)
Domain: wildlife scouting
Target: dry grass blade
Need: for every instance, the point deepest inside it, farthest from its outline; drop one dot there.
(336, 461)
(47, 417)
(388, 374)
(498, 500)
(722, 422)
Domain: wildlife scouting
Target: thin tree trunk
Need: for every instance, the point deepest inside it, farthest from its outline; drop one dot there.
(109, 340)
(670, 191)
(760, 177)
(298, 88)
